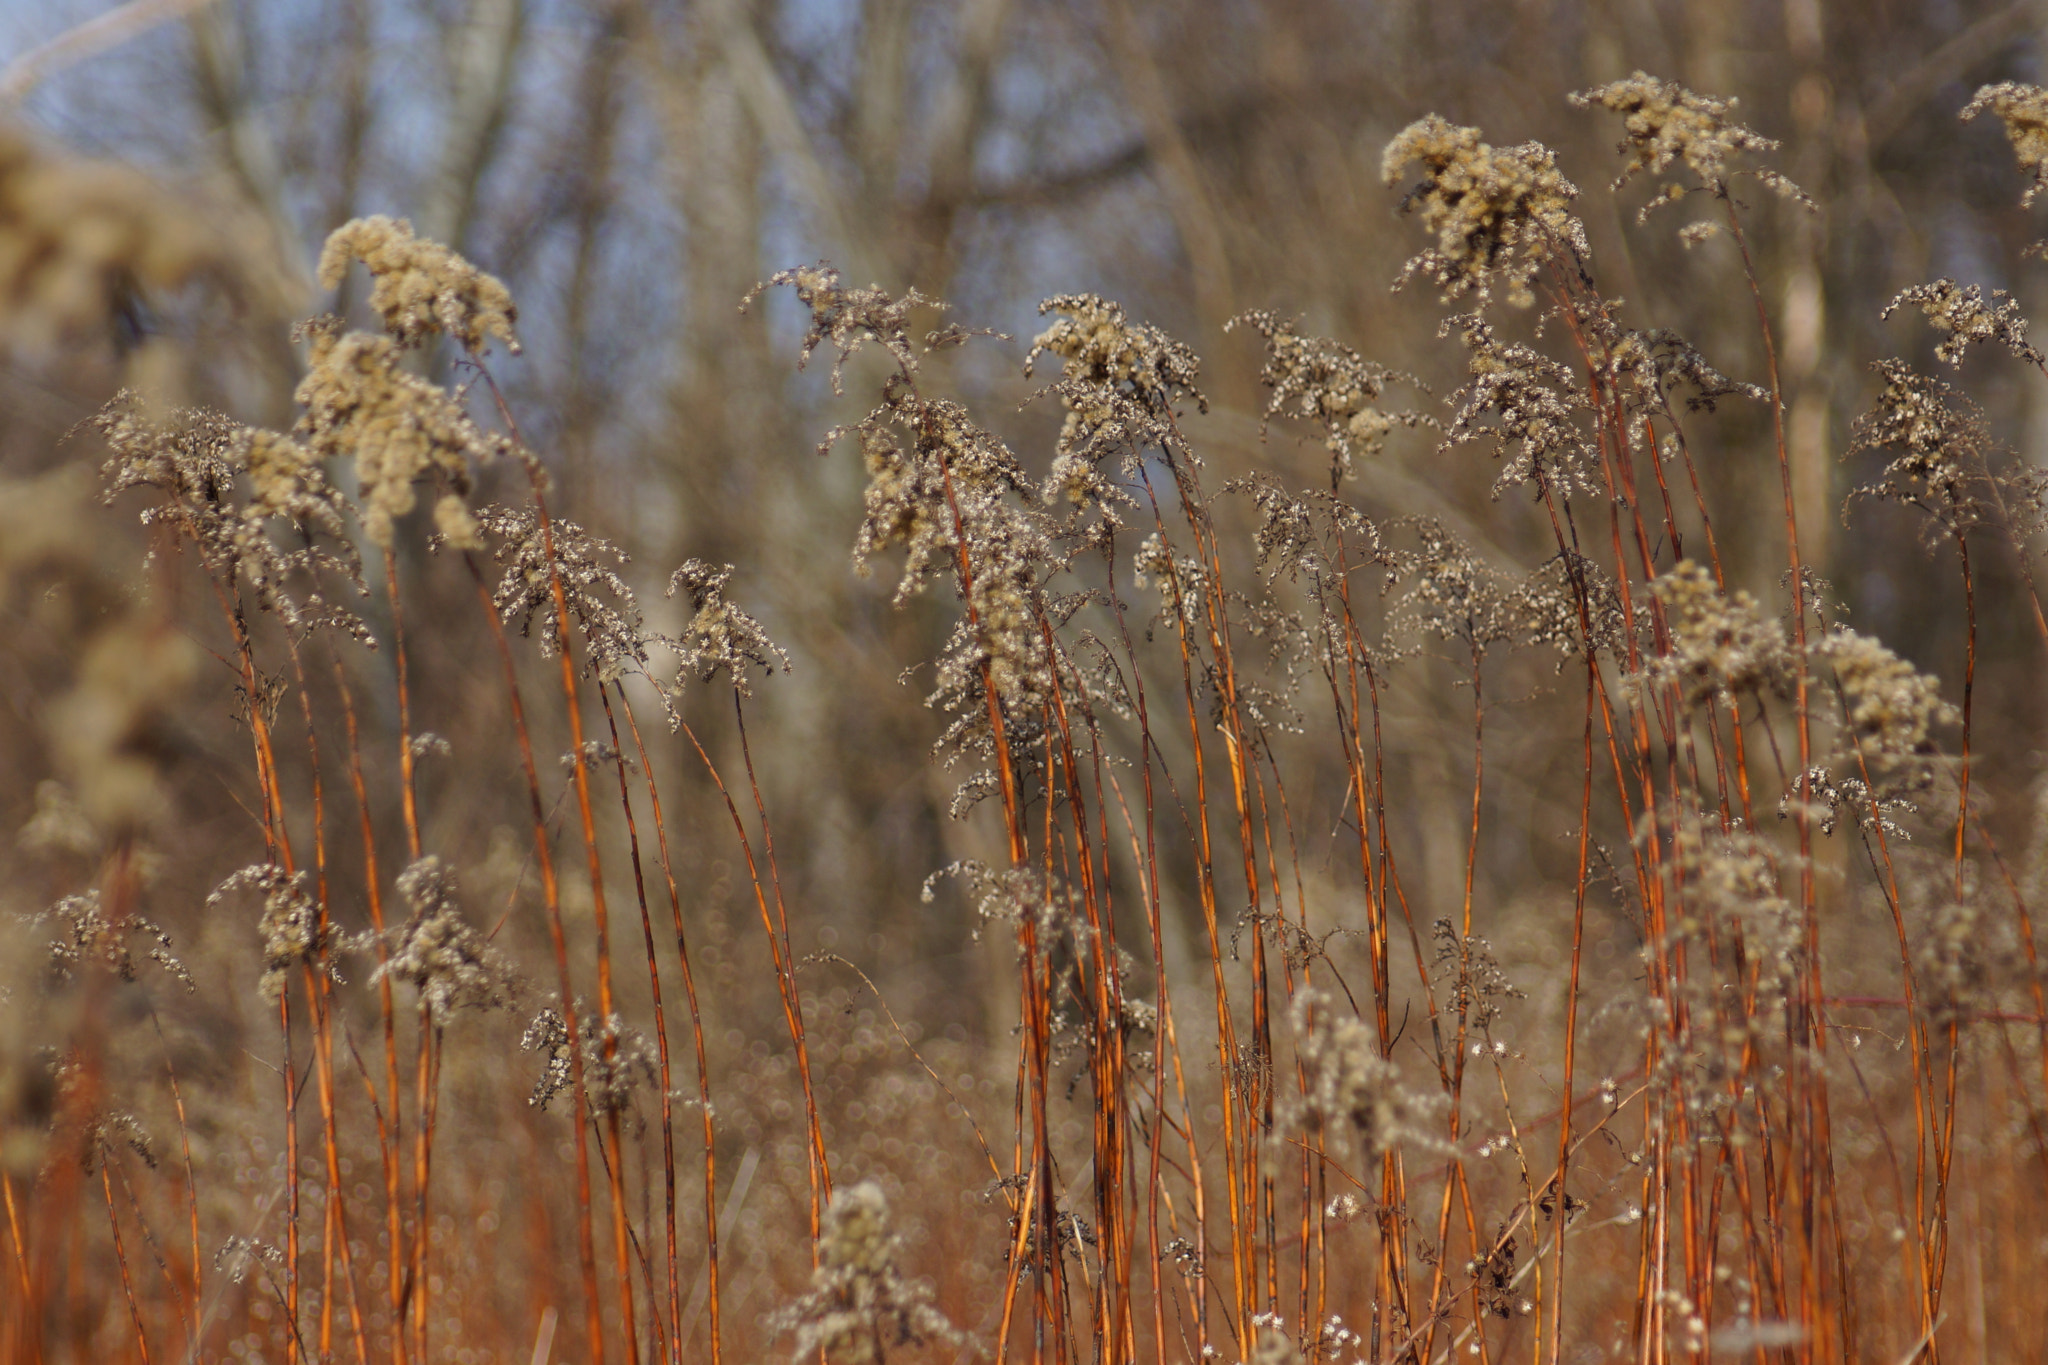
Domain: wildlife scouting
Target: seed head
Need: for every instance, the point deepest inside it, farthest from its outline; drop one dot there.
(1663, 122)
(439, 953)
(2023, 109)
(860, 1307)
(420, 287)
(1498, 213)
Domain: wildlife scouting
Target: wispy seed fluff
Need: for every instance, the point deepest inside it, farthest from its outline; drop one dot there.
(295, 933)
(1352, 1097)
(1663, 122)
(1962, 318)
(1498, 213)
(440, 954)
(1721, 644)
(396, 426)
(1328, 383)
(860, 1307)
(420, 287)
(1889, 705)
(2023, 109)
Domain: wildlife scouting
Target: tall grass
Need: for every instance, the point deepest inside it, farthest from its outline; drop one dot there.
(1254, 1097)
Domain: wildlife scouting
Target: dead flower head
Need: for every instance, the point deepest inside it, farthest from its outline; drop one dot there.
(860, 1307)
(1325, 382)
(602, 607)
(1663, 122)
(397, 427)
(2023, 109)
(438, 952)
(90, 938)
(295, 931)
(1963, 319)
(1352, 1096)
(1889, 706)
(1498, 212)
(719, 636)
(419, 287)
(1720, 644)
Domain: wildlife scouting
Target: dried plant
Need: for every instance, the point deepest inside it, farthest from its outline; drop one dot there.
(2023, 109)
(719, 636)
(420, 287)
(296, 935)
(1664, 122)
(1889, 707)
(90, 938)
(1241, 1065)
(1721, 644)
(1528, 406)
(617, 1060)
(860, 1307)
(438, 953)
(1499, 214)
(1941, 444)
(1352, 1098)
(1325, 382)
(1964, 319)
(360, 403)
(537, 556)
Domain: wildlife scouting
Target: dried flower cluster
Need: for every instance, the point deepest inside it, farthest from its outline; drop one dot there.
(60, 826)
(617, 1059)
(1648, 365)
(295, 932)
(1828, 795)
(193, 459)
(1498, 213)
(1119, 380)
(92, 939)
(1475, 985)
(2023, 109)
(1527, 406)
(719, 636)
(1181, 579)
(851, 318)
(860, 1307)
(419, 287)
(1297, 535)
(1663, 122)
(1940, 441)
(1007, 895)
(1328, 383)
(440, 954)
(361, 403)
(1721, 644)
(1963, 318)
(1889, 706)
(1451, 594)
(1352, 1096)
(602, 607)
(956, 499)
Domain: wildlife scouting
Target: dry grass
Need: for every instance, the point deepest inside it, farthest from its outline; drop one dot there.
(1759, 1073)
